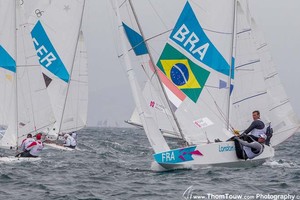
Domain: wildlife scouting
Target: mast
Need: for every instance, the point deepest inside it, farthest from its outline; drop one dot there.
(16, 82)
(64, 107)
(154, 136)
(155, 71)
(233, 47)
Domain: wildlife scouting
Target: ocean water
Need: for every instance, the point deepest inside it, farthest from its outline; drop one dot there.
(116, 163)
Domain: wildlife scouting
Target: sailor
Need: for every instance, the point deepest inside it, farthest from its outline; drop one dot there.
(26, 142)
(256, 128)
(69, 141)
(34, 148)
(74, 135)
(249, 150)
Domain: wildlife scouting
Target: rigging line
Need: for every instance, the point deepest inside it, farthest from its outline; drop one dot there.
(165, 112)
(204, 11)
(23, 29)
(155, 69)
(219, 32)
(146, 40)
(16, 82)
(78, 54)
(199, 6)
(37, 130)
(222, 118)
(24, 66)
(157, 14)
(122, 3)
(157, 35)
(74, 55)
(244, 31)
(115, 36)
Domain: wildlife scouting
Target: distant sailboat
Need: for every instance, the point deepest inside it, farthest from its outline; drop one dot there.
(205, 67)
(67, 78)
(24, 98)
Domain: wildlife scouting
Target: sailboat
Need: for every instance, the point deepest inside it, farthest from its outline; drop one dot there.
(24, 99)
(269, 93)
(197, 64)
(66, 80)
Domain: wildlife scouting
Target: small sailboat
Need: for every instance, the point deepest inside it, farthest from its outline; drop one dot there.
(197, 66)
(24, 99)
(67, 78)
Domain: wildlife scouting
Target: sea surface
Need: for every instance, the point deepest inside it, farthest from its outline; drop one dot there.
(117, 163)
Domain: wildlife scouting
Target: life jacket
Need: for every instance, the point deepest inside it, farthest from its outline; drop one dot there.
(25, 143)
(70, 141)
(252, 153)
(35, 148)
(269, 133)
(256, 132)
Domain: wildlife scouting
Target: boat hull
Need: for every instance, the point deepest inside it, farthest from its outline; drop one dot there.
(221, 153)
(10, 159)
(58, 147)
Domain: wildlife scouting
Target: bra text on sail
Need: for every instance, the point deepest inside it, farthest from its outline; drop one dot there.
(191, 41)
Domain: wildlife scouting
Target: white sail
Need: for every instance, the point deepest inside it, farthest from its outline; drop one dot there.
(7, 73)
(31, 110)
(250, 92)
(257, 84)
(63, 48)
(283, 118)
(155, 138)
(75, 114)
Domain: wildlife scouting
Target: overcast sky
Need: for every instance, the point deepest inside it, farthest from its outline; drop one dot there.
(109, 92)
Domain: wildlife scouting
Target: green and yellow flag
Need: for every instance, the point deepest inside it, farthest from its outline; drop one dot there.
(185, 74)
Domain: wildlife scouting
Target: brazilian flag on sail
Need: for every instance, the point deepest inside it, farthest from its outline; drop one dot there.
(189, 77)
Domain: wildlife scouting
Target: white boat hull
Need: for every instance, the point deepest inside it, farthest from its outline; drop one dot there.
(18, 159)
(222, 153)
(59, 147)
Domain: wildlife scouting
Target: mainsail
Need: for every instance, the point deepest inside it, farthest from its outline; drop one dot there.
(28, 109)
(65, 78)
(257, 84)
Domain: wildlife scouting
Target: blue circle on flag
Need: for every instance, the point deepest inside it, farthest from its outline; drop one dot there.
(179, 74)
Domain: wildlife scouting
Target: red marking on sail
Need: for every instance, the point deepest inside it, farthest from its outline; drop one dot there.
(168, 83)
